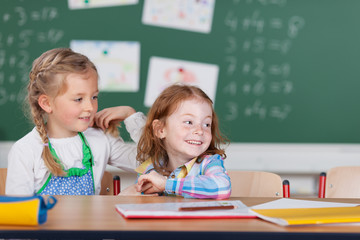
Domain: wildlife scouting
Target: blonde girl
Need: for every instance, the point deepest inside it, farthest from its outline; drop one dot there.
(62, 155)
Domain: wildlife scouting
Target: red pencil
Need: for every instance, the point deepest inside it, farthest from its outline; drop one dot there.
(202, 208)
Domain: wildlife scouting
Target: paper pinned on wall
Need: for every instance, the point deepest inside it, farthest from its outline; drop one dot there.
(165, 71)
(83, 4)
(117, 62)
(190, 15)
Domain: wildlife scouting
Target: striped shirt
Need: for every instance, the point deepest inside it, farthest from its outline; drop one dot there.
(207, 179)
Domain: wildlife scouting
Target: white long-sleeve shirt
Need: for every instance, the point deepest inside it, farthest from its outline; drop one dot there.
(27, 172)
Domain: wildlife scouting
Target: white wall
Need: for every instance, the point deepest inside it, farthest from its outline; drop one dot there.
(301, 164)
(4, 150)
(291, 158)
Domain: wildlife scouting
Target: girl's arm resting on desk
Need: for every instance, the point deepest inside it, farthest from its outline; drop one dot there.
(213, 182)
(132, 191)
(152, 182)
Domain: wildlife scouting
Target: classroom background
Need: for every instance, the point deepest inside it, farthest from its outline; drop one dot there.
(283, 74)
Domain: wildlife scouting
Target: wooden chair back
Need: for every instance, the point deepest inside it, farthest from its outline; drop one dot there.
(343, 182)
(107, 185)
(255, 184)
(3, 173)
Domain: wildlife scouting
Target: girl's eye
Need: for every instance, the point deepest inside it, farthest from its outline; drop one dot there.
(78, 100)
(188, 122)
(207, 125)
(95, 97)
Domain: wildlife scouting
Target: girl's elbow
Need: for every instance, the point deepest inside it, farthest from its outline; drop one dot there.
(225, 195)
(228, 194)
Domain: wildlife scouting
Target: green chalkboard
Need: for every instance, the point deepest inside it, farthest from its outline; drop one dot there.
(289, 70)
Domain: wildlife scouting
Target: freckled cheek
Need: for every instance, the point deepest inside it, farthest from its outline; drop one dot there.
(184, 131)
(209, 136)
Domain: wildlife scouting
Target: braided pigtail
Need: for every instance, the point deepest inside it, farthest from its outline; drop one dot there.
(35, 89)
(54, 166)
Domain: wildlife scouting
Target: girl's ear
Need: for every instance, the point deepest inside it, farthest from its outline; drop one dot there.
(158, 129)
(44, 103)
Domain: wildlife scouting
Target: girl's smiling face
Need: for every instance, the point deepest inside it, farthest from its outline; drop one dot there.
(72, 111)
(187, 131)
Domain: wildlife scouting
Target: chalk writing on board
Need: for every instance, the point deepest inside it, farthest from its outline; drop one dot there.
(252, 76)
(16, 41)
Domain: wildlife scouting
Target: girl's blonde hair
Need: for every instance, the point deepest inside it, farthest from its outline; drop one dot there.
(47, 77)
(151, 146)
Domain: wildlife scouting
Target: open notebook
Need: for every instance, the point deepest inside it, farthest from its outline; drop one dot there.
(176, 210)
(287, 212)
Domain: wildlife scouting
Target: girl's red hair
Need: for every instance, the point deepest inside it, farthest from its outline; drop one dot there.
(150, 146)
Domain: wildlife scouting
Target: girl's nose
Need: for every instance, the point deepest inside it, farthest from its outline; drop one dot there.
(88, 106)
(198, 129)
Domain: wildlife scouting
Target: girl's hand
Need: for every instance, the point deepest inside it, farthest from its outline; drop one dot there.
(104, 117)
(131, 191)
(152, 182)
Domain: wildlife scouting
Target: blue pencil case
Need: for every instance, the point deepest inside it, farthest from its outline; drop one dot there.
(25, 210)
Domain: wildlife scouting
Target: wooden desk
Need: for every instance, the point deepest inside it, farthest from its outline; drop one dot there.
(94, 217)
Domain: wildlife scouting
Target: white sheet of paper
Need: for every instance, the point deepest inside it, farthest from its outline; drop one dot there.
(117, 62)
(191, 15)
(171, 210)
(165, 71)
(285, 203)
(82, 4)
